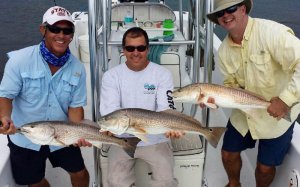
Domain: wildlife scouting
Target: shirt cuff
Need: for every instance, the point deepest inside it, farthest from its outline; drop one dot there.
(287, 97)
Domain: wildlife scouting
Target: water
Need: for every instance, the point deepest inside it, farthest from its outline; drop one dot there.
(20, 19)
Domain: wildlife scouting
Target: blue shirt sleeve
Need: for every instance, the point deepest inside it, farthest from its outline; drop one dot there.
(11, 83)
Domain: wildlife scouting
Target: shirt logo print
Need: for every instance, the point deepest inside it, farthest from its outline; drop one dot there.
(149, 88)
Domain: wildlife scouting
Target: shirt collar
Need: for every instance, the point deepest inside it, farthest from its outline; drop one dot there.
(248, 28)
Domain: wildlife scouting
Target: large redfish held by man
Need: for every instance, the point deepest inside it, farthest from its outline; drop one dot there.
(140, 122)
(223, 96)
(65, 133)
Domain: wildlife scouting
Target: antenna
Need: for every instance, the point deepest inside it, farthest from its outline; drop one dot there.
(54, 2)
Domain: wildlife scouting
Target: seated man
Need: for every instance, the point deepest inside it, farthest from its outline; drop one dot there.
(139, 83)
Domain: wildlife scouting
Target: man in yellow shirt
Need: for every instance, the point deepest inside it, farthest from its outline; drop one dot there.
(261, 56)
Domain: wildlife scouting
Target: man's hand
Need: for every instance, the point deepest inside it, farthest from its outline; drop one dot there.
(278, 109)
(174, 134)
(7, 126)
(82, 143)
(209, 100)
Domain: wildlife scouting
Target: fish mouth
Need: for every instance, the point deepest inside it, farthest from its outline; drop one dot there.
(174, 96)
(177, 98)
(22, 130)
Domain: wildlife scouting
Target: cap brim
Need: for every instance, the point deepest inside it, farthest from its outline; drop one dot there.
(212, 17)
(50, 22)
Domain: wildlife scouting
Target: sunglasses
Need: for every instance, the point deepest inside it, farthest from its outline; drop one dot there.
(140, 48)
(229, 10)
(56, 30)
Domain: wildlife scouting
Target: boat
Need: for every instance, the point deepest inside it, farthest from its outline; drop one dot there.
(189, 55)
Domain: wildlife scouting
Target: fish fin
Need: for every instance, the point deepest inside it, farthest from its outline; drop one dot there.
(131, 146)
(142, 137)
(59, 141)
(211, 105)
(203, 99)
(89, 122)
(185, 138)
(170, 111)
(214, 135)
(139, 130)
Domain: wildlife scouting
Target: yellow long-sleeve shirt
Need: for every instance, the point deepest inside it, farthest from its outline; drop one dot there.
(267, 63)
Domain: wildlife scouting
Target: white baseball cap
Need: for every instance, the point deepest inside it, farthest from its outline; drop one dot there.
(55, 14)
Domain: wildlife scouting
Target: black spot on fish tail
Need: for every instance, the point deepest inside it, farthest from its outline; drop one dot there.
(130, 147)
(214, 135)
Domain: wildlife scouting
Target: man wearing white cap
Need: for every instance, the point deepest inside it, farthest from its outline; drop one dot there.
(44, 82)
(261, 56)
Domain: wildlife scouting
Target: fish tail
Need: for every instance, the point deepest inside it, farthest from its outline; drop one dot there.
(288, 116)
(254, 114)
(214, 135)
(130, 146)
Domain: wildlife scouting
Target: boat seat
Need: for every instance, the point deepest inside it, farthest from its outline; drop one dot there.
(188, 155)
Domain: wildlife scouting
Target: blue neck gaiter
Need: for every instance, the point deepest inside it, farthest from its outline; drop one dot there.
(51, 58)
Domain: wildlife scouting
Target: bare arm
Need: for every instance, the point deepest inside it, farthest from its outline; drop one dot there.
(76, 115)
(165, 86)
(7, 126)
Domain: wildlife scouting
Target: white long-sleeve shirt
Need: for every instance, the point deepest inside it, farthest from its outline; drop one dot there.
(146, 89)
